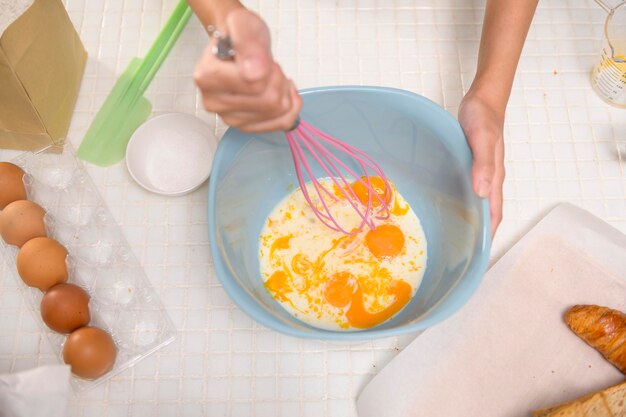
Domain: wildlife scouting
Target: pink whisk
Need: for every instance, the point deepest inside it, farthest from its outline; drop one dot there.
(327, 152)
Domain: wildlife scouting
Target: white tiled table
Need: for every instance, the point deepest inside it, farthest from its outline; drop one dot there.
(562, 144)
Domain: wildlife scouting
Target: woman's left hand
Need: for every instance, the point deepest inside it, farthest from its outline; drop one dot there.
(483, 125)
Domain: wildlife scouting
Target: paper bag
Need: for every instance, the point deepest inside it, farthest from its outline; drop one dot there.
(41, 66)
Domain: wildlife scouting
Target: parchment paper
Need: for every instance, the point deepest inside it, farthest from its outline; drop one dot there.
(508, 350)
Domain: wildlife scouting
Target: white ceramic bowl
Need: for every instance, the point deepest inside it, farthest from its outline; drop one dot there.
(171, 154)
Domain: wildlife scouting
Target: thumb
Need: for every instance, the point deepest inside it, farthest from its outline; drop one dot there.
(253, 60)
(250, 38)
(484, 166)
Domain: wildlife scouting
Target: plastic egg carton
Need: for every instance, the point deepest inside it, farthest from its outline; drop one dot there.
(100, 260)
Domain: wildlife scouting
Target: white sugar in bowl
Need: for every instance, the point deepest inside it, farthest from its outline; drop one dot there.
(171, 154)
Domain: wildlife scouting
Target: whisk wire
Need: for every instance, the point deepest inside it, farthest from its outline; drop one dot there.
(366, 159)
(298, 155)
(323, 149)
(345, 188)
(363, 159)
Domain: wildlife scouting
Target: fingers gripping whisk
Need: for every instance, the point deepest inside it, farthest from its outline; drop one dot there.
(223, 47)
(310, 146)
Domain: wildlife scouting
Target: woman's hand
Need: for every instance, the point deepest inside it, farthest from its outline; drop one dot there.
(481, 113)
(483, 126)
(250, 93)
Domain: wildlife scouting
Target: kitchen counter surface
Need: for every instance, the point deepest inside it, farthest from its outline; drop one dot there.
(562, 144)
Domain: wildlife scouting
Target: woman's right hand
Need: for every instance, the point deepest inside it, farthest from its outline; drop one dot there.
(251, 92)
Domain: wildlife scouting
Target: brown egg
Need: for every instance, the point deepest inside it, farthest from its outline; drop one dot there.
(90, 352)
(65, 308)
(41, 263)
(20, 221)
(11, 184)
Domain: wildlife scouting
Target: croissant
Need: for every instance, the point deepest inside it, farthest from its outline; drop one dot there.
(602, 328)
(610, 402)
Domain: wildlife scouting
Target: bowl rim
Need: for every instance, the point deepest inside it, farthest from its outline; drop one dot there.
(462, 291)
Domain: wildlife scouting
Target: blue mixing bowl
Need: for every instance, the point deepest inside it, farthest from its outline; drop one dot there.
(421, 148)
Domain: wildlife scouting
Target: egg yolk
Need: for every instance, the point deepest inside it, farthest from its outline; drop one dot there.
(343, 290)
(386, 241)
(378, 185)
(359, 317)
(339, 289)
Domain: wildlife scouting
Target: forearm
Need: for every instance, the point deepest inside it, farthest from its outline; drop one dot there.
(213, 12)
(505, 27)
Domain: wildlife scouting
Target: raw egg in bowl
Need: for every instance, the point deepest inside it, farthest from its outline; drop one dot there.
(417, 268)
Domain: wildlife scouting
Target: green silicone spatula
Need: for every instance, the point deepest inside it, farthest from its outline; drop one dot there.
(126, 108)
